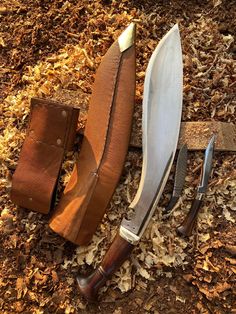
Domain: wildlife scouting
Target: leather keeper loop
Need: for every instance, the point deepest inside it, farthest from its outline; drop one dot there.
(51, 132)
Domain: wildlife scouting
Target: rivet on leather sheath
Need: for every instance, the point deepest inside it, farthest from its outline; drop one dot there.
(51, 132)
(105, 144)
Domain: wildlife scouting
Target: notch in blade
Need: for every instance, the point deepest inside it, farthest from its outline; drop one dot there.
(180, 174)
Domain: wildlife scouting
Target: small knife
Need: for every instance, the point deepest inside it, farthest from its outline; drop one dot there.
(180, 174)
(185, 229)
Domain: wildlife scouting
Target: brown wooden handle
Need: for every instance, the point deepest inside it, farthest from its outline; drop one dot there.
(171, 205)
(118, 252)
(186, 227)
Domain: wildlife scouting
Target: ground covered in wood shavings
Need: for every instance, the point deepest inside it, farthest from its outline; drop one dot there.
(52, 49)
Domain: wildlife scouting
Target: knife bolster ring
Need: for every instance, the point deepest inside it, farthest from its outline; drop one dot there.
(199, 196)
(129, 236)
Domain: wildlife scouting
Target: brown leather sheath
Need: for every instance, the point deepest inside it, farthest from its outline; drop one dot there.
(51, 131)
(104, 147)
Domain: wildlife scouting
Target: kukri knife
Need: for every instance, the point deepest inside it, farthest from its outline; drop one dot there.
(162, 109)
(186, 227)
(180, 174)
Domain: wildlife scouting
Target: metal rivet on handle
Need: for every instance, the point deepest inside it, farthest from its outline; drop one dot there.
(30, 199)
(64, 113)
(59, 141)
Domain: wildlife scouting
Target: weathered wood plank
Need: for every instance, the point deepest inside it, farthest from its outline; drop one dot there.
(197, 134)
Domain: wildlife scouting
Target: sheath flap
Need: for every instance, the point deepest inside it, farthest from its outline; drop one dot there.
(52, 123)
(51, 131)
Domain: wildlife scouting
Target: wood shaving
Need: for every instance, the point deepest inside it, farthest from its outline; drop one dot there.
(52, 50)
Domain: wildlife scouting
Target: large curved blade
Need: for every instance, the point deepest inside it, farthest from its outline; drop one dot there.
(162, 108)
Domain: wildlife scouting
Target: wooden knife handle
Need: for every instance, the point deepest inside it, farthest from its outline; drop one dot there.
(171, 205)
(118, 252)
(185, 229)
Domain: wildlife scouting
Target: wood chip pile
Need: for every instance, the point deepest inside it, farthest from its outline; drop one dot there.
(51, 49)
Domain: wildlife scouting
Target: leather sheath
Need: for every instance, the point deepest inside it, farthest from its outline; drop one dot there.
(104, 148)
(51, 132)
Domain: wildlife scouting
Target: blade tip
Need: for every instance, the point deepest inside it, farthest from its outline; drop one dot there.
(175, 28)
(184, 149)
(173, 32)
(213, 139)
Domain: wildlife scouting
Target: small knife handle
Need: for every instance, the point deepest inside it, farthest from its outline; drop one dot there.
(171, 205)
(185, 229)
(118, 252)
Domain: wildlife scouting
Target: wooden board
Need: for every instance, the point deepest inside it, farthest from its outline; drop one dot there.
(197, 135)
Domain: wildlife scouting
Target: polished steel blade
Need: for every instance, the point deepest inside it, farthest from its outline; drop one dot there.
(206, 170)
(162, 108)
(180, 172)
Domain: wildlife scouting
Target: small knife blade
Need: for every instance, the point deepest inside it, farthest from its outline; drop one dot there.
(206, 170)
(180, 174)
(185, 229)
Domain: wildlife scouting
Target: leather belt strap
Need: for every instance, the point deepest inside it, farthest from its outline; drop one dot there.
(51, 132)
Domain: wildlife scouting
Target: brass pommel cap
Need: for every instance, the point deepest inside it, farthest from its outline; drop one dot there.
(127, 38)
